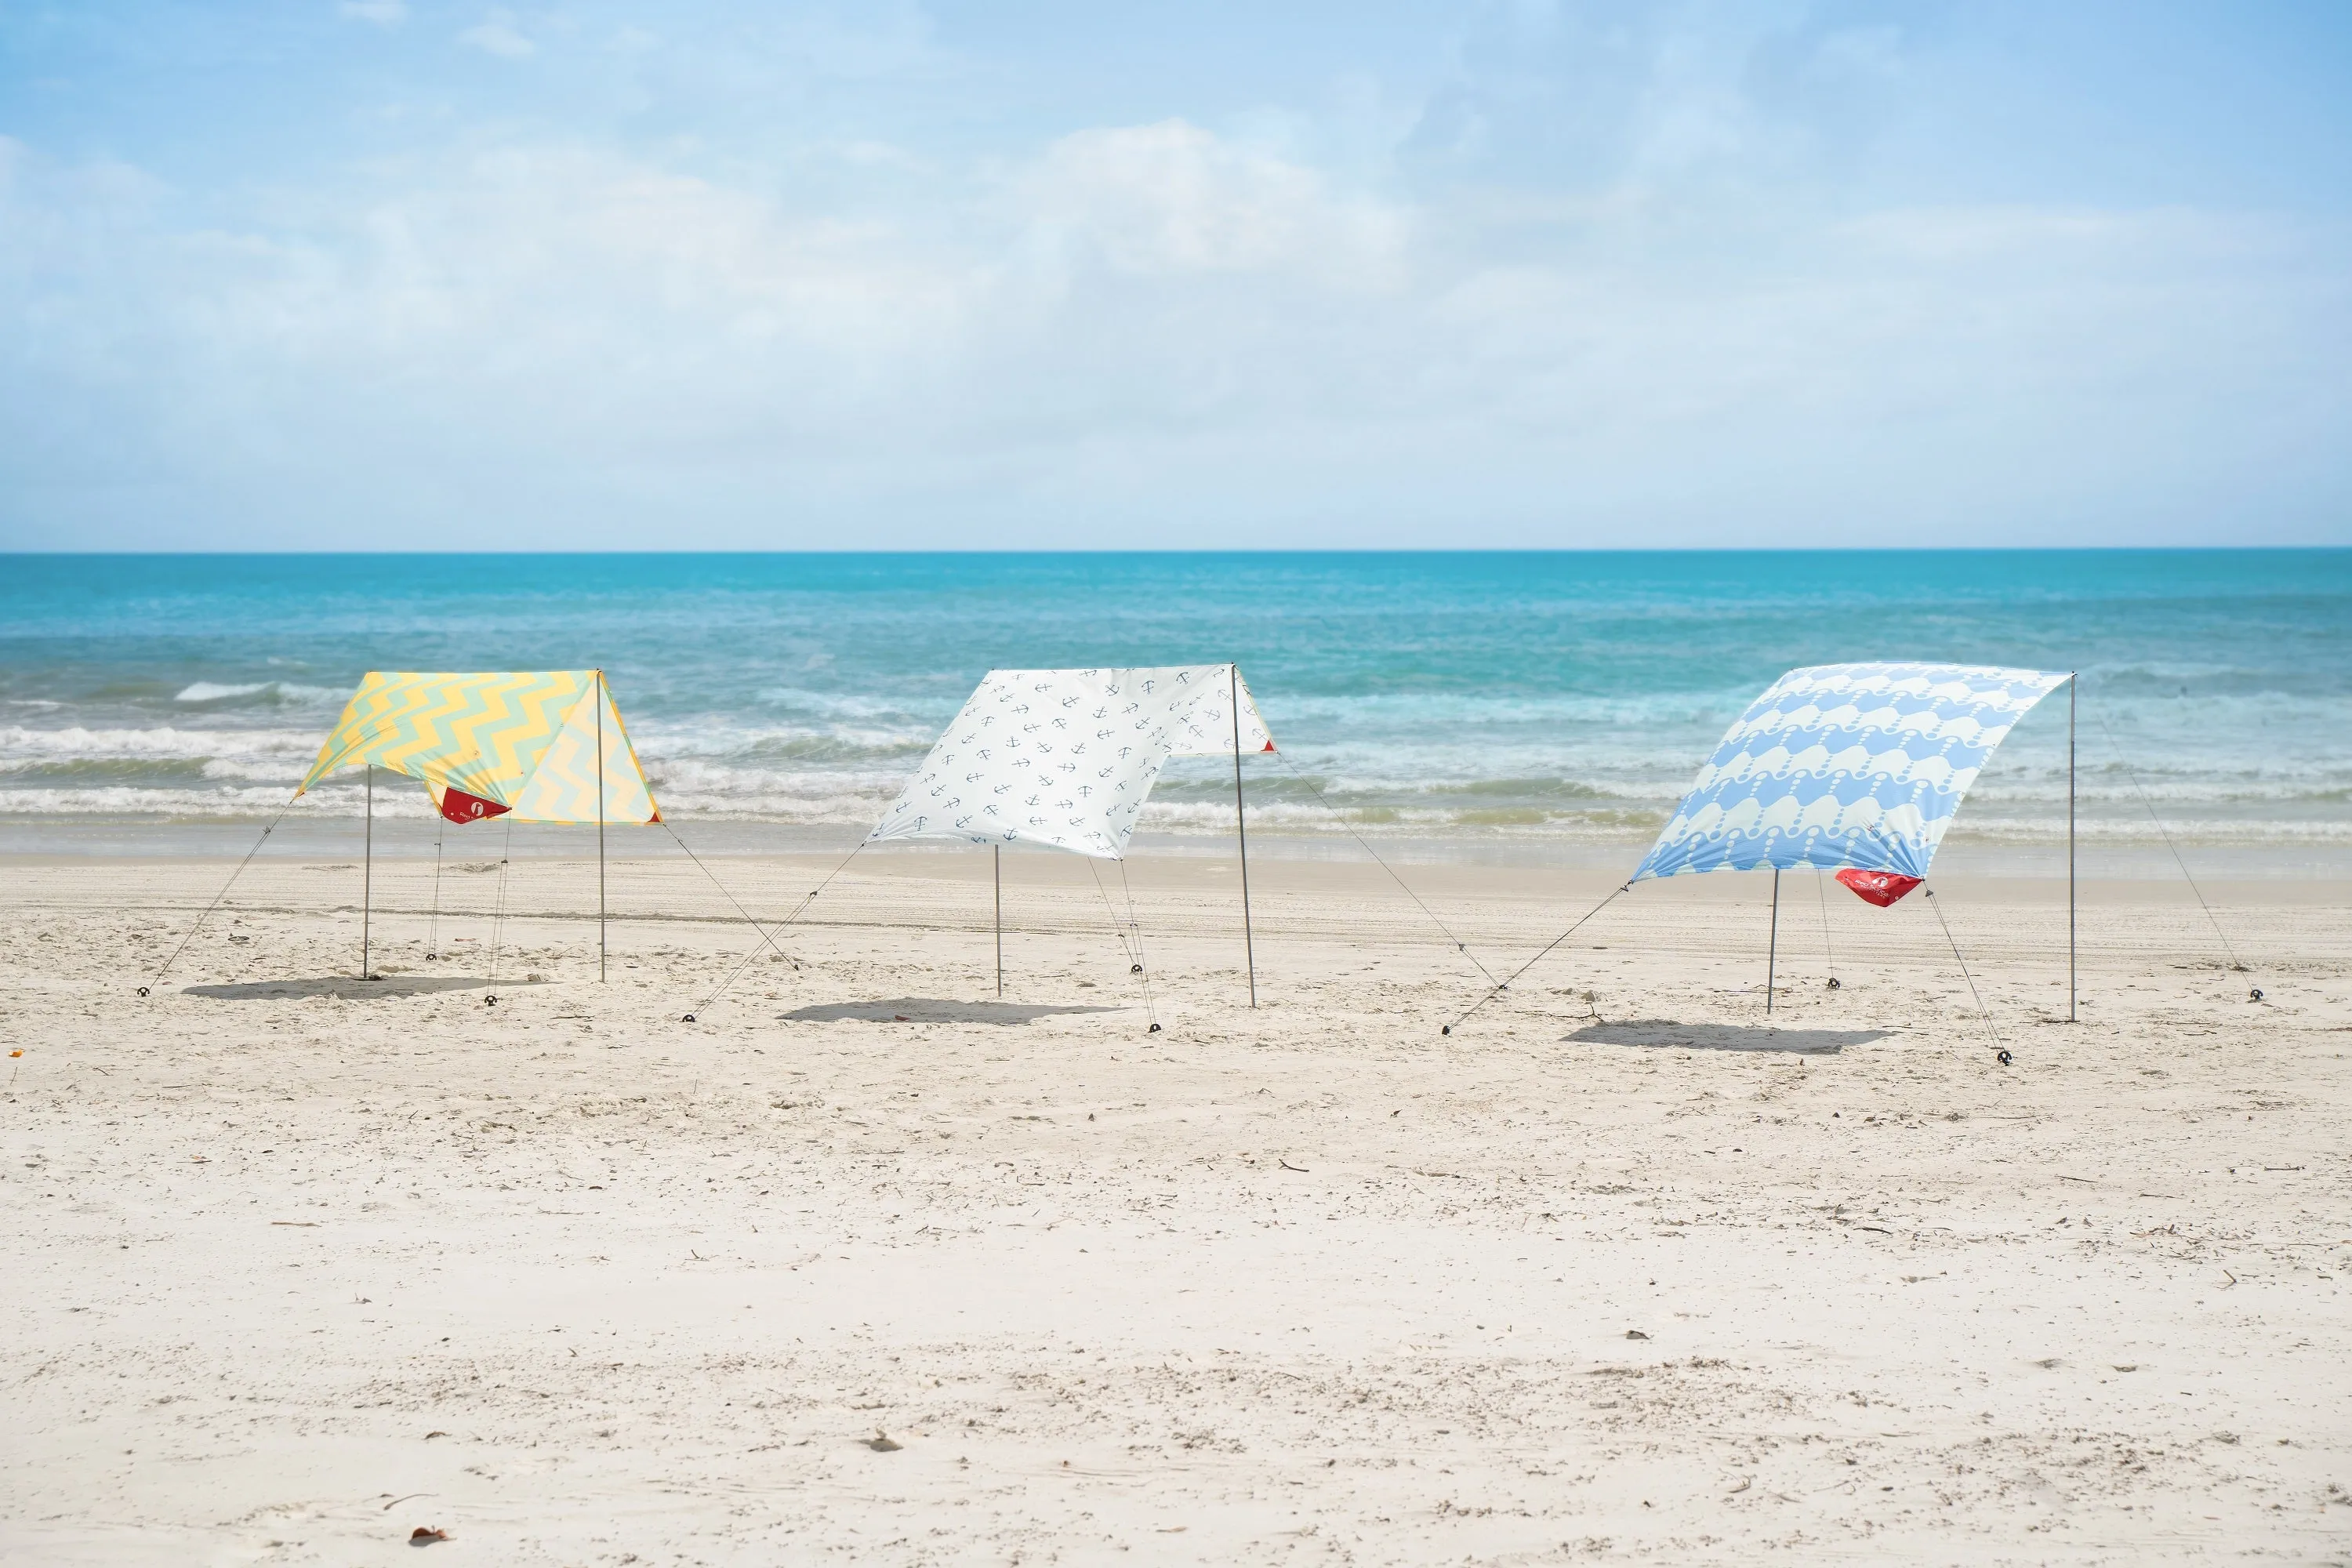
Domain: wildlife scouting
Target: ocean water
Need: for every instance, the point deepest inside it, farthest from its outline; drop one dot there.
(1503, 698)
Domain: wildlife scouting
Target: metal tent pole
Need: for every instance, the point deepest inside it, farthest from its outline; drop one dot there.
(996, 858)
(1241, 828)
(2073, 685)
(367, 875)
(600, 826)
(1772, 946)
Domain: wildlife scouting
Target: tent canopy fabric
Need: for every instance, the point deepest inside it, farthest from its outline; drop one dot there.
(1067, 757)
(524, 740)
(1847, 765)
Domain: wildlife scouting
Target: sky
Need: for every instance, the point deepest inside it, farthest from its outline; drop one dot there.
(395, 274)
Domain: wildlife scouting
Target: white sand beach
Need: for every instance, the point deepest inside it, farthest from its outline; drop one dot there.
(299, 1264)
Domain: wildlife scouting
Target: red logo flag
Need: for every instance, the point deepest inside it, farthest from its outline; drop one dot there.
(1880, 888)
(459, 807)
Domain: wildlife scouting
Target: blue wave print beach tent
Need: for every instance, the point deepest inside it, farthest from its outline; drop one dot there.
(1840, 766)
(1857, 769)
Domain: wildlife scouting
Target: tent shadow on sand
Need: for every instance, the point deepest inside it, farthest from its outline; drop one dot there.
(351, 988)
(931, 1010)
(1658, 1033)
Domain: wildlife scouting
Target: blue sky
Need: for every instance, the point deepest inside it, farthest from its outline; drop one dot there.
(390, 273)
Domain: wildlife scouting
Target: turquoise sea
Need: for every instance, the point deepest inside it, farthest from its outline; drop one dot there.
(1497, 697)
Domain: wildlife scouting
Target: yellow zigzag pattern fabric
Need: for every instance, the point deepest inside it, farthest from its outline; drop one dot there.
(525, 739)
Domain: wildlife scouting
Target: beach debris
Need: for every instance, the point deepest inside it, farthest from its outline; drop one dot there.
(1744, 1482)
(1288, 1166)
(425, 1535)
(883, 1442)
(1635, 1334)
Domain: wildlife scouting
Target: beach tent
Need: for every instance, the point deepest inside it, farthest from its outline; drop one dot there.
(1852, 768)
(1857, 769)
(529, 745)
(1067, 757)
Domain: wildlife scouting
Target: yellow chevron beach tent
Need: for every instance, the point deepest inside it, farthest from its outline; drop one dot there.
(526, 742)
(543, 745)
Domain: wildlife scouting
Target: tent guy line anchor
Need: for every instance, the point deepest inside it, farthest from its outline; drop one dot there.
(2255, 993)
(2000, 1050)
(499, 919)
(1504, 986)
(1459, 945)
(731, 898)
(365, 737)
(1821, 886)
(157, 978)
(798, 910)
(1135, 967)
(1151, 1013)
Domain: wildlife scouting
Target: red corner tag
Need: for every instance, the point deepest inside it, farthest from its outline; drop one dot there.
(1880, 888)
(459, 807)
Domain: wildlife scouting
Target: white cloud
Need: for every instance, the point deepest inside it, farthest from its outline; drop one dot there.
(1136, 326)
(382, 13)
(497, 34)
(1173, 197)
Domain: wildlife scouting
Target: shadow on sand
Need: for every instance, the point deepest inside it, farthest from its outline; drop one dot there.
(931, 1010)
(350, 987)
(1658, 1033)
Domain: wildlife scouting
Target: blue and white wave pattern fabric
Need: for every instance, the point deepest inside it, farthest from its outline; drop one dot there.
(1846, 764)
(1067, 757)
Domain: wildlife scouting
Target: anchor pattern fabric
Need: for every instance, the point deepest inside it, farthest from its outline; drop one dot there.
(1847, 765)
(522, 739)
(1067, 757)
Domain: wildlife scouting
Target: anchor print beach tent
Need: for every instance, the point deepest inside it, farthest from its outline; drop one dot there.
(1067, 757)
